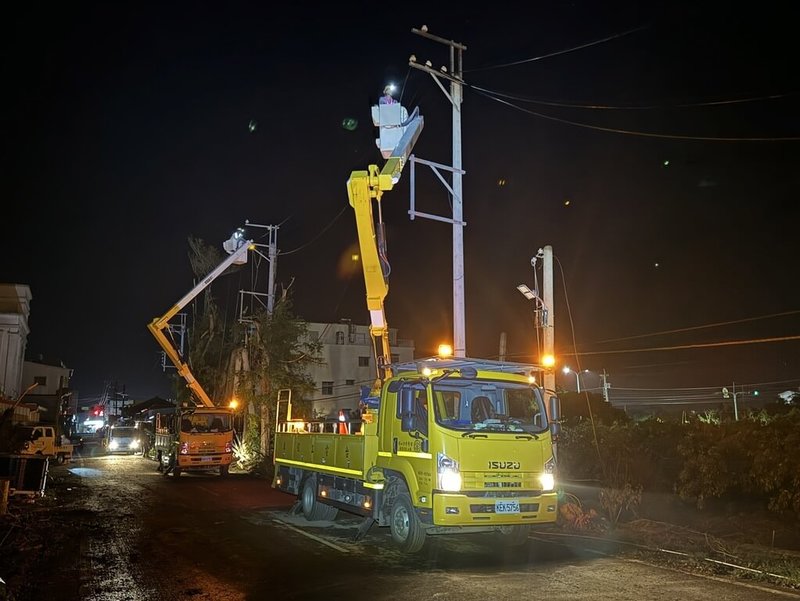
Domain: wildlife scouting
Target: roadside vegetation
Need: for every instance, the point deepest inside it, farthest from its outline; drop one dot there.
(660, 479)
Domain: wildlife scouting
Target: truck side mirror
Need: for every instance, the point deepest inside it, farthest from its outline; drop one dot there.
(555, 415)
(407, 410)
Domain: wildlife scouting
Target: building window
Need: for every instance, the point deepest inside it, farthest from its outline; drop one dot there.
(40, 380)
(327, 388)
(339, 337)
(350, 382)
(363, 361)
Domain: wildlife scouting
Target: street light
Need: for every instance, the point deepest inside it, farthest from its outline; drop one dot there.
(540, 319)
(567, 370)
(527, 292)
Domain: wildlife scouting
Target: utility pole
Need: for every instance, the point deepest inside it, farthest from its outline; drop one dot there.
(550, 324)
(606, 385)
(272, 258)
(272, 253)
(179, 330)
(727, 395)
(455, 75)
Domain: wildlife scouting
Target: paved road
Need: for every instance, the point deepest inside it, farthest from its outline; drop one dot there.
(135, 535)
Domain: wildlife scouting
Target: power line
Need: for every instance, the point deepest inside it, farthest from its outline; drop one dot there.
(701, 327)
(639, 133)
(628, 107)
(691, 346)
(317, 237)
(558, 52)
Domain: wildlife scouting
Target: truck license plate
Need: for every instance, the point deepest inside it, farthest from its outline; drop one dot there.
(506, 506)
(207, 459)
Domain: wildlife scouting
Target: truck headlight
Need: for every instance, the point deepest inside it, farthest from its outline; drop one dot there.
(548, 478)
(113, 445)
(447, 472)
(135, 443)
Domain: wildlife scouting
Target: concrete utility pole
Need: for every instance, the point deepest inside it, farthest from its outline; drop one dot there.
(606, 385)
(272, 258)
(273, 267)
(455, 75)
(727, 395)
(502, 354)
(550, 325)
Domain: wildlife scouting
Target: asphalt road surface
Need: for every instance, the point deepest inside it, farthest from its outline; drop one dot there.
(130, 534)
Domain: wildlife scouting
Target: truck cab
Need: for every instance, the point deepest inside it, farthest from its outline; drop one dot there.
(122, 439)
(43, 440)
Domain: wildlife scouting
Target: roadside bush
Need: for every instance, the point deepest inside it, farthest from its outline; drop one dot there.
(754, 459)
(640, 454)
(714, 461)
(775, 462)
(247, 450)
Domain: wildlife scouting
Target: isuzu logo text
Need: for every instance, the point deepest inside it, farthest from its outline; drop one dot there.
(504, 465)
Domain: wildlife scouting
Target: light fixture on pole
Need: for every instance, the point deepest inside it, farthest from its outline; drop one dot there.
(527, 292)
(567, 370)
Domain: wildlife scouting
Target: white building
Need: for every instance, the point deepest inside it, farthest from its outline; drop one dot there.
(348, 364)
(52, 376)
(15, 307)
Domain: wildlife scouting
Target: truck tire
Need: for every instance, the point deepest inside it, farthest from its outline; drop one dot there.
(514, 536)
(224, 470)
(313, 510)
(407, 531)
(60, 458)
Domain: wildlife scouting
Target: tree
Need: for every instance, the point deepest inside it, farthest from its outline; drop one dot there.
(254, 358)
(278, 351)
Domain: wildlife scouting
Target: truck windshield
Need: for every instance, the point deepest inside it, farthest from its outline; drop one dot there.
(122, 433)
(494, 406)
(206, 422)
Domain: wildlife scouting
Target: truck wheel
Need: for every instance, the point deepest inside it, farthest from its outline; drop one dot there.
(223, 470)
(407, 530)
(176, 472)
(313, 510)
(514, 536)
(60, 459)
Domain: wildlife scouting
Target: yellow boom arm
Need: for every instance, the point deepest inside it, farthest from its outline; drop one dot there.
(362, 188)
(160, 324)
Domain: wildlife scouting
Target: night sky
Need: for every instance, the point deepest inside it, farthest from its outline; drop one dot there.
(668, 190)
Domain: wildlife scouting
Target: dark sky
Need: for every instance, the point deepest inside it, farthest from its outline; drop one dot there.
(126, 132)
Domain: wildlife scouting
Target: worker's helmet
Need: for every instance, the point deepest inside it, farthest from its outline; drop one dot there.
(387, 90)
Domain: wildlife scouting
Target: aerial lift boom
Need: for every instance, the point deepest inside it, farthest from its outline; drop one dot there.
(362, 188)
(158, 326)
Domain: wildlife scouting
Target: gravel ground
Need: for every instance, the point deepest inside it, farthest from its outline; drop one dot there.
(39, 539)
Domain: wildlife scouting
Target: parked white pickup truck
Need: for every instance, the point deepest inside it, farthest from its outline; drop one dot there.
(42, 440)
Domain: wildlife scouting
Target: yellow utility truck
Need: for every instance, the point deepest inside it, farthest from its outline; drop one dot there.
(441, 445)
(448, 446)
(197, 437)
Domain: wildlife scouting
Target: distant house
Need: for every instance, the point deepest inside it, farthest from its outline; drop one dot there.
(138, 410)
(348, 364)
